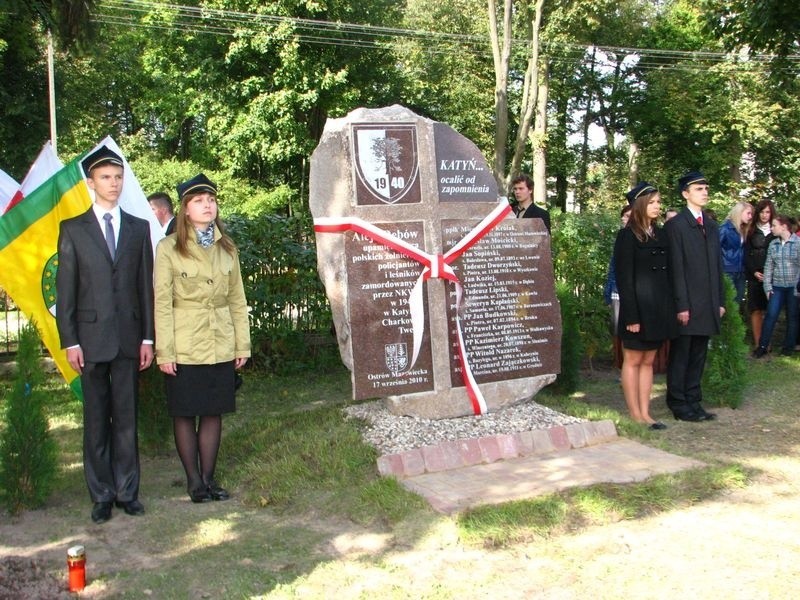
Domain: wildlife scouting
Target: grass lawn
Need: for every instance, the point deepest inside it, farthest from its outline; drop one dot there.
(311, 518)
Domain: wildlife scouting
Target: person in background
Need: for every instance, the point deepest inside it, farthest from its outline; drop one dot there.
(755, 255)
(202, 332)
(696, 271)
(669, 213)
(611, 295)
(526, 209)
(647, 311)
(732, 236)
(781, 274)
(104, 314)
(161, 204)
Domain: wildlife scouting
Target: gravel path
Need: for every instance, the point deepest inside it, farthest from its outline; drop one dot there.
(392, 434)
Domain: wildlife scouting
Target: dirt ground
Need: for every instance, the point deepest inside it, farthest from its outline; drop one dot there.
(745, 544)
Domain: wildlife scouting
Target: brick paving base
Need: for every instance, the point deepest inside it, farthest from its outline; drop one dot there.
(475, 451)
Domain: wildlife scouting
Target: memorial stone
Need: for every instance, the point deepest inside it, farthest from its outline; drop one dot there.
(444, 304)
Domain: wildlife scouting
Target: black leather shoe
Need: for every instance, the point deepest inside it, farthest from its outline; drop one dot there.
(200, 495)
(216, 492)
(760, 352)
(101, 512)
(693, 417)
(133, 507)
(657, 426)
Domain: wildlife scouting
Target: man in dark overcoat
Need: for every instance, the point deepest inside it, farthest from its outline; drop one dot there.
(696, 270)
(104, 313)
(522, 185)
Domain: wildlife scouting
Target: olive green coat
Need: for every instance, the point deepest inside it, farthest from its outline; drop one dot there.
(200, 307)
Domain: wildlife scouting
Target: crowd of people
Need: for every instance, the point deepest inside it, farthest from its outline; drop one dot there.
(665, 288)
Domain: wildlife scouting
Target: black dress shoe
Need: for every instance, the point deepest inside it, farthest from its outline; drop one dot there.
(216, 492)
(133, 507)
(691, 416)
(200, 495)
(657, 426)
(101, 512)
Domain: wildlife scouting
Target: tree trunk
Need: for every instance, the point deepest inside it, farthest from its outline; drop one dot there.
(501, 54)
(530, 95)
(633, 164)
(583, 168)
(539, 140)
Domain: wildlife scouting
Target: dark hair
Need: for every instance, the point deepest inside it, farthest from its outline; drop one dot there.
(522, 178)
(639, 222)
(625, 210)
(161, 199)
(783, 220)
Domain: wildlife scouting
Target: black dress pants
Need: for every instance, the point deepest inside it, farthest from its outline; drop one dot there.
(687, 359)
(110, 441)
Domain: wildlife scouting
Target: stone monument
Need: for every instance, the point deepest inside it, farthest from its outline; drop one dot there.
(444, 304)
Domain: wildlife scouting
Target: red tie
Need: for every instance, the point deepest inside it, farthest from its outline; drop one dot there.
(700, 220)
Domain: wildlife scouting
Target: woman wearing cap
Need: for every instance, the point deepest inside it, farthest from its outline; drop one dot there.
(647, 312)
(202, 331)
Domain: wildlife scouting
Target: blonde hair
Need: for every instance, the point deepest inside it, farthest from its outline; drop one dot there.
(184, 230)
(735, 216)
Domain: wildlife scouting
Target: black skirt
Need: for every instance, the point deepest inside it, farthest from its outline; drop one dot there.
(201, 390)
(639, 344)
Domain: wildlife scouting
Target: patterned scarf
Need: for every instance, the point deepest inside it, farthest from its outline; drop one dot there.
(206, 238)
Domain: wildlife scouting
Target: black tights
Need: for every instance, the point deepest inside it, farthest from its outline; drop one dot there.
(198, 446)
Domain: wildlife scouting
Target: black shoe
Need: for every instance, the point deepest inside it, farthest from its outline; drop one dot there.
(697, 408)
(657, 426)
(760, 352)
(200, 495)
(691, 416)
(101, 512)
(216, 492)
(133, 508)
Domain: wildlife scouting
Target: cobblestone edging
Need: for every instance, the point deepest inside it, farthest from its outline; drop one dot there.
(467, 452)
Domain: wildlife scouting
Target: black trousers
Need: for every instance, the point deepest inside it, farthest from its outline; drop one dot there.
(110, 441)
(687, 359)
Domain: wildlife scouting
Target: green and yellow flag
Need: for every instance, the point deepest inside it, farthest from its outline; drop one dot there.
(29, 254)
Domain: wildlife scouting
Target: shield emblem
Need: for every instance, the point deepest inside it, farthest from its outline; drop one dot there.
(386, 159)
(396, 357)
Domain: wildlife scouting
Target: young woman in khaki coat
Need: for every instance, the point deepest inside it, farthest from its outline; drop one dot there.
(202, 331)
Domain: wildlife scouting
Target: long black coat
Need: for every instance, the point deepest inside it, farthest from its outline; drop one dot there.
(696, 269)
(645, 289)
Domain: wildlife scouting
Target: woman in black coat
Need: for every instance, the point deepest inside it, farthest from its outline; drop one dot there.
(755, 255)
(647, 311)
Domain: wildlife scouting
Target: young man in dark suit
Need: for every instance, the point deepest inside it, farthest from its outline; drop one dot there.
(696, 270)
(104, 313)
(526, 209)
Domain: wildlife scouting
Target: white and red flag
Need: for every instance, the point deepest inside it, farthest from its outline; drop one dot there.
(43, 168)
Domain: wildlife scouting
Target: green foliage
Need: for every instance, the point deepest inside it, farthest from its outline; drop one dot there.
(725, 374)
(155, 425)
(291, 323)
(582, 247)
(28, 453)
(571, 346)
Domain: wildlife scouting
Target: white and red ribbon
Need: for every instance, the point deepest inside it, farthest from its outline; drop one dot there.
(435, 265)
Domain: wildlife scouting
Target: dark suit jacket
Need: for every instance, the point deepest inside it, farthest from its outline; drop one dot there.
(170, 227)
(534, 212)
(696, 269)
(106, 307)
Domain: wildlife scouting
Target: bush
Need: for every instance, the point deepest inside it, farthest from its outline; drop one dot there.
(288, 304)
(28, 453)
(582, 247)
(725, 374)
(155, 425)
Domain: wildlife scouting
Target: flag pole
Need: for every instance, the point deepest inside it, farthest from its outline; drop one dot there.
(51, 81)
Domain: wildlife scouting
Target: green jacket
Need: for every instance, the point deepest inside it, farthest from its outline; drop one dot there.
(200, 307)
